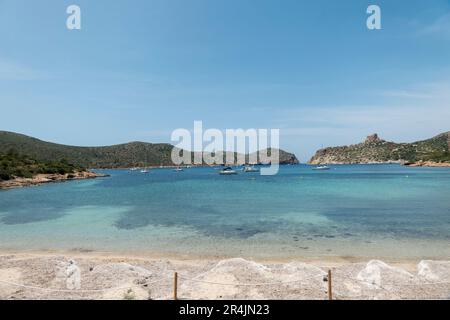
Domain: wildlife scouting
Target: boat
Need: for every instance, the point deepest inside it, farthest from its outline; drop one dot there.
(178, 169)
(227, 171)
(322, 168)
(144, 171)
(250, 169)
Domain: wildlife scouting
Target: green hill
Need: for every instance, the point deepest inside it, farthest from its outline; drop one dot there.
(375, 149)
(13, 164)
(133, 154)
(122, 155)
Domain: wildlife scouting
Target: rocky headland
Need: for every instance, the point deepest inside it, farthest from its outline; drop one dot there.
(431, 152)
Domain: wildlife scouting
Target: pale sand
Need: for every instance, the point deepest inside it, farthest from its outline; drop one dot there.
(65, 275)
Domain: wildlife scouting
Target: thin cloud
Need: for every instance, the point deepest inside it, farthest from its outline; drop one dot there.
(13, 71)
(407, 94)
(432, 90)
(440, 26)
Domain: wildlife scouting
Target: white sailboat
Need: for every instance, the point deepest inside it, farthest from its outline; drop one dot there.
(227, 171)
(250, 169)
(322, 168)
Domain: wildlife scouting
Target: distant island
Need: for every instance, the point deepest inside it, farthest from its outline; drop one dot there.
(431, 152)
(128, 155)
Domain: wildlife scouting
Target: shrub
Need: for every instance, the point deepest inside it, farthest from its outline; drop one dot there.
(4, 175)
(13, 164)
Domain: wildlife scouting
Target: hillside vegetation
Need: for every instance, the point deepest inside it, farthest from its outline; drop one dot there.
(13, 165)
(123, 155)
(133, 154)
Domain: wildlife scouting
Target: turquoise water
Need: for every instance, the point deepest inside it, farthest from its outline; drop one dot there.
(359, 211)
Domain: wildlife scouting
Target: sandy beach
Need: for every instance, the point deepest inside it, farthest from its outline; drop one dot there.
(94, 275)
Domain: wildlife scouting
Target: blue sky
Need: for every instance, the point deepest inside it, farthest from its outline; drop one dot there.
(139, 69)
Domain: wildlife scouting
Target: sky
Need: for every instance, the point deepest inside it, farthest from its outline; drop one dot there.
(137, 70)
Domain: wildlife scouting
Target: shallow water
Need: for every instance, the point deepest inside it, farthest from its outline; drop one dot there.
(359, 210)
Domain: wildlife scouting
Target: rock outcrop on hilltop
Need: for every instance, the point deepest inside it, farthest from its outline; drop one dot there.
(434, 151)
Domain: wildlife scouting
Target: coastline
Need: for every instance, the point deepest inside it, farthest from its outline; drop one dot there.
(428, 164)
(40, 179)
(314, 163)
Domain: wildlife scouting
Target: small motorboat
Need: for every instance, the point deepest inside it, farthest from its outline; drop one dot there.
(144, 171)
(227, 171)
(250, 169)
(178, 169)
(322, 168)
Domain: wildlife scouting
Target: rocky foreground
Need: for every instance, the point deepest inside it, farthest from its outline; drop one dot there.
(75, 276)
(48, 178)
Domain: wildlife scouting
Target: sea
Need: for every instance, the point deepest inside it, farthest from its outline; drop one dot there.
(350, 211)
